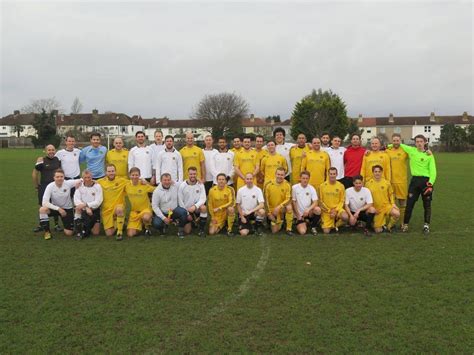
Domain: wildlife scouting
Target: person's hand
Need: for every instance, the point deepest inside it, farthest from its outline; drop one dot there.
(216, 209)
(352, 220)
(356, 214)
(243, 219)
(89, 211)
(306, 212)
(192, 209)
(213, 221)
(202, 180)
(276, 210)
(332, 213)
(428, 190)
(78, 184)
(271, 217)
(153, 180)
(167, 220)
(39, 160)
(143, 182)
(62, 212)
(429, 152)
(367, 153)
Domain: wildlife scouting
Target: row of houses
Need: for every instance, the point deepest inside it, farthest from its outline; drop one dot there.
(113, 124)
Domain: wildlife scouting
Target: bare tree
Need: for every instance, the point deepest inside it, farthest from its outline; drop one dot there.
(76, 106)
(37, 106)
(222, 113)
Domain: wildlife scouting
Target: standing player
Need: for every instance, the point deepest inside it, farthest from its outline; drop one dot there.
(245, 162)
(69, 158)
(271, 163)
(192, 197)
(57, 201)
(94, 157)
(140, 157)
(140, 207)
(332, 198)
(113, 205)
(283, 148)
(224, 161)
(359, 204)
(87, 199)
(352, 160)
(317, 163)
(47, 166)
(250, 205)
(157, 146)
(193, 156)
(375, 157)
(423, 172)
(305, 205)
(336, 154)
(169, 161)
(236, 145)
(261, 153)
(399, 167)
(278, 202)
(118, 157)
(209, 161)
(221, 201)
(384, 201)
(297, 153)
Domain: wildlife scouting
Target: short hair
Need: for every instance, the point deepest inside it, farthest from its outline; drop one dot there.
(207, 135)
(221, 174)
(333, 168)
(247, 137)
(237, 137)
(134, 170)
(279, 130)
(280, 168)
(315, 137)
(355, 135)
(192, 168)
(222, 138)
(165, 175)
(335, 136)
(259, 136)
(377, 166)
(301, 133)
(86, 172)
(158, 131)
(358, 177)
(118, 137)
(110, 166)
(139, 132)
(307, 173)
(59, 171)
(271, 141)
(396, 135)
(378, 138)
(70, 135)
(95, 134)
(325, 134)
(420, 136)
(169, 136)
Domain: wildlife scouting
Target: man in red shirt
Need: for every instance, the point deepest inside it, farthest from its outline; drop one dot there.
(352, 160)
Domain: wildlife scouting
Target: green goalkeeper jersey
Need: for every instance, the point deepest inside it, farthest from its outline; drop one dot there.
(421, 164)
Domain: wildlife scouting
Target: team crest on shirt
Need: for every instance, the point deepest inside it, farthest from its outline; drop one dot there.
(399, 154)
(422, 159)
(194, 153)
(228, 158)
(174, 158)
(139, 191)
(75, 154)
(321, 157)
(93, 194)
(282, 190)
(337, 190)
(362, 199)
(340, 153)
(225, 195)
(116, 184)
(101, 152)
(307, 194)
(252, 156)
(253, 196)
(124, 156)
(382, 187)
(64, 190)
(197, 191)
(147, 152)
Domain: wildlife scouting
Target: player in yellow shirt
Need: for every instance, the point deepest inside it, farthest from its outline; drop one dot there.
(331, 200)
(140, 206)
(119, 158)
(193, 156)
(113, 205)
(245, 162)
(317, 163)
(236, 146)
(278, 202)
(221, 206)
(375, 157)
(261, 153)
(399, 168)
(297, 153)
(272, 162)
(384, 201)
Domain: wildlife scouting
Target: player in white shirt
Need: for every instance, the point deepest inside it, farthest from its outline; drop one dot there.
(359, 204)
(250, 205)
(156, 147)
(209, 156)
(170, 161)
(87, 199)
(69, 158)
(283, 148)
(305, 205)
(57, 201)
(224, 161)
(192, 197)
(336, 154)
(140, 157)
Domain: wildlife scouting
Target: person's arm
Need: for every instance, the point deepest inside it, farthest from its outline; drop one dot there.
(391, 195)
(266, 196)
(77, 197)
(210, 205)
(294, 204)
(155, 205)
(362, 169)
(432, 170)
(98, 198)
(232, 170)
(285, 165)
(321, 200)
(342, 197)
(181, 195)
(47, 199)
(348, 210)
(304, 162)
(287, 197)
(131, 159)
(82, 155)
(257, 167)
(388, 168)
(179, 162)
(35, 178)
(157, 159)
(262, 166)
(203, 167)
(408, 149)
(202, 197)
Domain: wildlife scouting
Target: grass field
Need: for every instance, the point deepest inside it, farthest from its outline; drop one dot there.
(345, 293)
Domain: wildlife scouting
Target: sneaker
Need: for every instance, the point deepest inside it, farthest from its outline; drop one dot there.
(37, 229)
(289, 233)
(119, 237)
(367, 232)
(202, 234)
(426, 229)
(314, 231)
(147, 233)
(47, 235)
(258, 232)
(386, 230)
(58, 228)
(230, 234)
(181, 235)
(404, 228)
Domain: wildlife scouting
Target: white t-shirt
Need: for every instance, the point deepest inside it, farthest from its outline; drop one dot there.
(337, 160)
(70, 162)
(91, 195)
(248, 199)
(56, 197)
(284, 149)
(189, 195)
(224, 163)
(155, 149)
(168, 161)
(304, 196)
(140, 157)
(358, 199)
(209, 161)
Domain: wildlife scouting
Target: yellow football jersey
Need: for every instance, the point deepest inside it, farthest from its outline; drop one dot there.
(138, 196)
(236, 151)
(277, 194)
(270, 164)
(192, 157)
(222, 199)
(120, 160)
(317, 163)
(262, 153)
(398, 165)
(331, 195)
(382, 193)
(296, 158)
(375, 158)
(113, 191)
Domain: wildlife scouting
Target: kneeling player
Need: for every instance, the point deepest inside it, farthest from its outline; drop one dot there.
(220, 203)
(331, 198)
(192, 197)
(250, 205)
(305, 205)
(57, 202)
(384, 201)
(140, 207)
(87, 199)
(278, 201)
(359, 204)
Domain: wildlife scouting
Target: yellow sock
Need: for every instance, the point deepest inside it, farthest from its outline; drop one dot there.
(120, 222)
(339, 223)
(147, 225)
(289, 220)
(391, 222)
(230, 221)
(402, 213)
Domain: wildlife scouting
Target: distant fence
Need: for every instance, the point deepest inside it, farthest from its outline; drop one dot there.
(15, 142)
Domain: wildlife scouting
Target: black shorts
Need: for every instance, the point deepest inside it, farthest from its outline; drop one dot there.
(417, 187)
(208, 186)
(249, 218)
(95, 218)
(347, 182)
(362, 216)
(68, 220)
(41, 189)
(73, 189)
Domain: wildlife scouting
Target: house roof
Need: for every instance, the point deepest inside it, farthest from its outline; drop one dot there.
(23, 119)
(415, 120)
(91, 119)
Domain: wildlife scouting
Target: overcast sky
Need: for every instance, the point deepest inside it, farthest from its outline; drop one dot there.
(158, 59)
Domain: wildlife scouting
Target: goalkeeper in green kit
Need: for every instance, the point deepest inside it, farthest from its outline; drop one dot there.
(423, 172)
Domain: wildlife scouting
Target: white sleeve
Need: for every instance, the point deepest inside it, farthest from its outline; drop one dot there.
(77, 197)
(155, 204)
(131, 159)
(369, 196)
(179, 158)
(232, 169)
(98, 198)
(213, 164)
(181, 195)
(238, 199)
(293, 193)
(314, 194)
(157, 158)
(202, 196)
(260, 198)
(47, 198)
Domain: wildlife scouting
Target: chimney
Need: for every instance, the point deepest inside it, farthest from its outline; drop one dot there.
(16, 112)
(432, 117)
(360, 119)
(465, 118)
(252, 117)
(95, 111)
(390, 118)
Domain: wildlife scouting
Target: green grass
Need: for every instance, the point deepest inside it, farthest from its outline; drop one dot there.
(399, 293)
